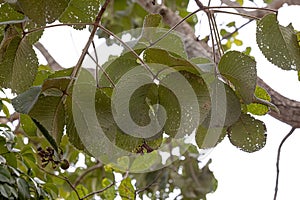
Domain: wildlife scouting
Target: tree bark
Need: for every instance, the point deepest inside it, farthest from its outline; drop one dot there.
(289, 109)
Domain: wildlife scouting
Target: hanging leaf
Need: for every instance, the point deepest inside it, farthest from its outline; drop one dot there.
(28, 125)
(43, 11)
(18, 62)
(248, 134)
(240, 70)
(256, 108)
(278, 43)
(80, 11)
(49, 112)
(46, 134)
(70, 125)
(23, 189)
(126, 189)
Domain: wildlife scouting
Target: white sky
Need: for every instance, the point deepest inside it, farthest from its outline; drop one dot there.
(241, 175)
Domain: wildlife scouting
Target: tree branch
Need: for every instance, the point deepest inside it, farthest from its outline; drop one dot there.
(278, 159)
(51, 61)
(289, 109)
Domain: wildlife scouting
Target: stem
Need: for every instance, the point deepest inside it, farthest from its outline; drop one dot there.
(278, 159)
(175, 26)
(127, 47)
(97, 192)
(240, 14)
(79, 178)
(241, 7)
(97, 62)
(104, 72)
(236, 30)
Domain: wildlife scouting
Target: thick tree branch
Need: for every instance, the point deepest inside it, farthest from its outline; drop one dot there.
(51, 61)
(276, 4)
(289, 109)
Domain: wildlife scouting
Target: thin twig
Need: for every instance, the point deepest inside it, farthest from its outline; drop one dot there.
(241, 7)
(98, 191)
(239, 14)
(149, 185)
(92, 168)
(104, 72)
(278, 160)
(129, 48)
(175, 26)
(62, 178)
(236, 30)
(97, 61)
(211, 35)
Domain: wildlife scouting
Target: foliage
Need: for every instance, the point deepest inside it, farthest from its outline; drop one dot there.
(41, 154)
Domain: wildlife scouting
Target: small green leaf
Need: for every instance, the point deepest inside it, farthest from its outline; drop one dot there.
(126, 189)
(4, 175)
(23, 189)
(24, 102)
(259, 109)
(248, 134)
(110, 193)
(241, 2)
(278, 43)
(152, 20)
(240, 70)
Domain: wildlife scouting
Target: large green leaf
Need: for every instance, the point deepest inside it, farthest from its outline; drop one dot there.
(70, 125)
(240, 70)
(126, 189)
(43, 11)
(278, 43)
(18, 62)
(49, 112)
(80, 11)
(248, 134)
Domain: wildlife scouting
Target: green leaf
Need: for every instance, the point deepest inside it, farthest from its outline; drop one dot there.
(82, 191)
(11, 15)
(248, 134)
(259, 109)
(80, 11)
(70, 125)
(43, 73)
(46, 134)
(28, 125)
(126, 189)
(209, 137)
(152, 20)
(278, 43)
(4, 175)
(240, 70)
(23, 189)
(241, 2)
(24, 102)
(49, 112)
(5, 111)
(110, 193)
(43, 11)
(18, 63)
(3, 191)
